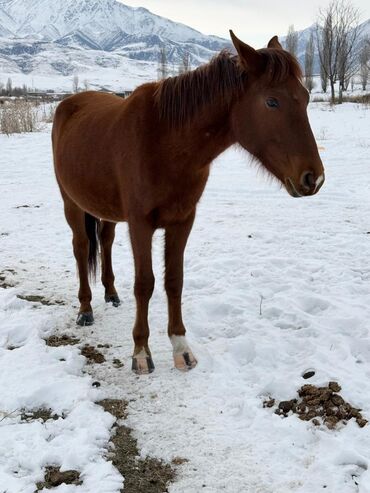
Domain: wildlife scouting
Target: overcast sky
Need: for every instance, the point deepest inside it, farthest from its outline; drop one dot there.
(254, 21)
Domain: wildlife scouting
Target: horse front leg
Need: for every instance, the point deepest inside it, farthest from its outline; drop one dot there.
(141, 234)
(176, 239)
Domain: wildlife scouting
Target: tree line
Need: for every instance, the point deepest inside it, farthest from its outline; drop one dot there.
(343, 52)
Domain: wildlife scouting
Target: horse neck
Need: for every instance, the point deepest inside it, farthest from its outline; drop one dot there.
(208, 134)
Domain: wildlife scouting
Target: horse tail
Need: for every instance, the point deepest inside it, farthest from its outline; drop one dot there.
(92, 231)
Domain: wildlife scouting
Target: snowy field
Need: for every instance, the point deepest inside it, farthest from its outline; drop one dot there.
(274, 286)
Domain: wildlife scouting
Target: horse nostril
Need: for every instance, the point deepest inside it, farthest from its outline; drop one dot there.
(308, 180)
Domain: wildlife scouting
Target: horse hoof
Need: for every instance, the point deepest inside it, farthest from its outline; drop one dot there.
(184, 361)
(85, 318)
(112, 298)
(142, 365)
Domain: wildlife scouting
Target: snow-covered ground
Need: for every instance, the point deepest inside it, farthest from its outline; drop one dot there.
(274, 286)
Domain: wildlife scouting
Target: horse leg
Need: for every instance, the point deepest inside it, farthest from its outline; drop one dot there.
(107, 233)
(77, 222)
(141, 234)
(176, 238)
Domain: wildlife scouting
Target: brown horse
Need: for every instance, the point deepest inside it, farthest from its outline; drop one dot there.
(146, 160)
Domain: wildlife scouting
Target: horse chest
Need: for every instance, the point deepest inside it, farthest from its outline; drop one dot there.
(183, 196)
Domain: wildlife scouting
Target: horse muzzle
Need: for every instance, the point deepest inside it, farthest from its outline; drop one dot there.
(307, 185)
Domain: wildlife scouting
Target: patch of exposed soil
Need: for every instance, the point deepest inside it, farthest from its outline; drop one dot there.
(178, 461)
(54, 477)
(43, 414)
(319, 405)
(92, 354)
(117, 407)
(63, 340)
(141, 475)
(34, 298)
(148, 475)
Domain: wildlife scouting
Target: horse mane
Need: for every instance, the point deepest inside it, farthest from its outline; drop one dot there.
(219, 81)
(178, 98)
(280, 65)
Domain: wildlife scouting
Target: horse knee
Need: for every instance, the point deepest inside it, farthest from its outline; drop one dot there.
(173, 287)
(144, 286)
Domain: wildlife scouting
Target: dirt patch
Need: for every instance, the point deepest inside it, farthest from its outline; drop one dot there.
(92, 354)
(63, 340)
(321, 405)
(42, 414)
(33, 298)
(149, 475)
(54, 477)
(178, 461)
(117, 407)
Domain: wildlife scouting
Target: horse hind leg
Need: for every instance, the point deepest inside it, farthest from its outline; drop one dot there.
(85, 247)
(107, 233)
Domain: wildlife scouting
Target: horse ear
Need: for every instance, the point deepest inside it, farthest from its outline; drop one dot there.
(249, 57)
(274, 43)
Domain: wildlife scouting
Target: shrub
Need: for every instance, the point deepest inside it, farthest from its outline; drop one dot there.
(18, 116)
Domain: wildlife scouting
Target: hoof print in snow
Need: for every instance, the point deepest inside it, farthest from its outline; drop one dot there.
(54, 477)
(92, 354)
(85, 319)
(63, 340)
(4, 283)
(320, 405)
(39, 415)
(117, 363)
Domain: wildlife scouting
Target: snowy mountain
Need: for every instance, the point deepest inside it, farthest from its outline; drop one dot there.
(67, 36)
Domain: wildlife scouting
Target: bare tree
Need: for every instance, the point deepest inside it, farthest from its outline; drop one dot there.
(9, 87)
(162, 64)
(364, 59)
(185, 65)
(75, 82)
(85, 84)
(308, 63)
(348, 37)
(291, 41)
(337, 36)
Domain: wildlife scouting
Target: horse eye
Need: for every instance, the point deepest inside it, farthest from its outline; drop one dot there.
(272, 103)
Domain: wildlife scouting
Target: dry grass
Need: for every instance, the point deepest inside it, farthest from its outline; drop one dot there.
(18, 116)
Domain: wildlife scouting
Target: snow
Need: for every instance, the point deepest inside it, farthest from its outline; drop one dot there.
(274, 286)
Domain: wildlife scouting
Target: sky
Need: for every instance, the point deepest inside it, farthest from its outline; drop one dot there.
(253, 21)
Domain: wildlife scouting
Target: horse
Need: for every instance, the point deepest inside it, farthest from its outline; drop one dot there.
(145, 160)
